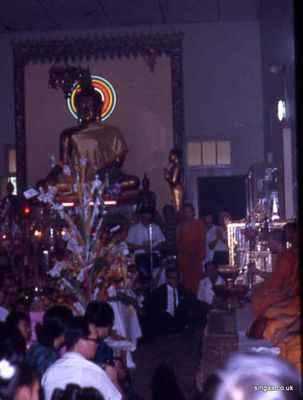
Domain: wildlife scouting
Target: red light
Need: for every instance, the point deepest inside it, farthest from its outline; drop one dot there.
(26, 211)
(4, 237)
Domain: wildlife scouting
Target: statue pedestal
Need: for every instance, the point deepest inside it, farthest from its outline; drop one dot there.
(219, 341)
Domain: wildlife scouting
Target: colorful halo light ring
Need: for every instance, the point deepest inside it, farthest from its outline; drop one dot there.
(104, 88)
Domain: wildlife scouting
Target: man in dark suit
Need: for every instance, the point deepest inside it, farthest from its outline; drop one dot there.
(169, 305)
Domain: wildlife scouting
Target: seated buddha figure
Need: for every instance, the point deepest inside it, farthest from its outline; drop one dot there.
(103, 145)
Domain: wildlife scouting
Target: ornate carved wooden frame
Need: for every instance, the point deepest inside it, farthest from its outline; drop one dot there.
(67, 50)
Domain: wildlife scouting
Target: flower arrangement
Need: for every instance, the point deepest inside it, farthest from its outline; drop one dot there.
(89, 265)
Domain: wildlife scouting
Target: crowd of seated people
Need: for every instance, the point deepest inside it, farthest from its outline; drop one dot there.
(76, 376)
(180, 276)
(68, 350)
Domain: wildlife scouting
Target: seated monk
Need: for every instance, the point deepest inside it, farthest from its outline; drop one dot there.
(288, 339)
(285, 273)
(283, 327)
(102, 145)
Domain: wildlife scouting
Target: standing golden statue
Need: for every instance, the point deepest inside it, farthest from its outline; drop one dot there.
(174, 177)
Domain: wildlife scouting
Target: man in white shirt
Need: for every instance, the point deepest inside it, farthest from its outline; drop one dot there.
(205, 291)
(145, 239)
(219, 245)
(74, 367)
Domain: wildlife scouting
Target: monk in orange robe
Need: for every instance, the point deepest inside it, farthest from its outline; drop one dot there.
(285, 274)
(190, 248)
(283, 325)
(284, 332)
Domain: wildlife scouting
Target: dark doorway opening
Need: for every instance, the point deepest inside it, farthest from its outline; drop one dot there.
(218, 193)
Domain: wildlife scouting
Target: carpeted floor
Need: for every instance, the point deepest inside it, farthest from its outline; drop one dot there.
(182, 355)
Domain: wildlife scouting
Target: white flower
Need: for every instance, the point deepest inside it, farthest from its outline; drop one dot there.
(45, 197)
(95, 294)
(79, 309)
(55, 272)
(73, 245)
(96, 184)
(80, 277)
(115, 229)
(66, 170)
(60, 209)
(52, 189)
(53, 161)
(6, 370)
(83, 161)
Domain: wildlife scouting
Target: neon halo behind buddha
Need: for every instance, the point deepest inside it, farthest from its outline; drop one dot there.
(101, 144)
(106, 91)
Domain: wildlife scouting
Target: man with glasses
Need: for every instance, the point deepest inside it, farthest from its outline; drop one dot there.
(81, 340)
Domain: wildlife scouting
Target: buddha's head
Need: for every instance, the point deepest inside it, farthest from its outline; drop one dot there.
(88, 101)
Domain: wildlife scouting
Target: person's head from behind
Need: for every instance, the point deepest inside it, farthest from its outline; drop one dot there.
(168, 212)
(12, 344)
(247, 376)
(146, 216)
(291, 231)
(164, 384)
(211, 270)
(51, 333)
(276, 240)
(75, 392)
(18, 381)
(223, 217)
(3, 296)
(10, 188)
(100, 314)
(20, 321)
(172, 276)
(188, 211)
(208, 220)
(82, 337)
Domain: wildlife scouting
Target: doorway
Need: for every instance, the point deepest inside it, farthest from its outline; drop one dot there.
(217, 193)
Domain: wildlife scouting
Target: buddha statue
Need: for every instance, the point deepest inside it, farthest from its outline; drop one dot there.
(174, 176)
(103, 145)
(146, 197)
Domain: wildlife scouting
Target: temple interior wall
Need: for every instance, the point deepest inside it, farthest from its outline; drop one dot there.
(223, 96)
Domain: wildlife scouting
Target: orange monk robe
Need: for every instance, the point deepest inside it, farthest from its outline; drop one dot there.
(285, 274)
(282, 318)
(191, 252)
(291, 351)
(290, 347)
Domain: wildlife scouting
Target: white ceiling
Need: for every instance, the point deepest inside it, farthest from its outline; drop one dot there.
(45, 15)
